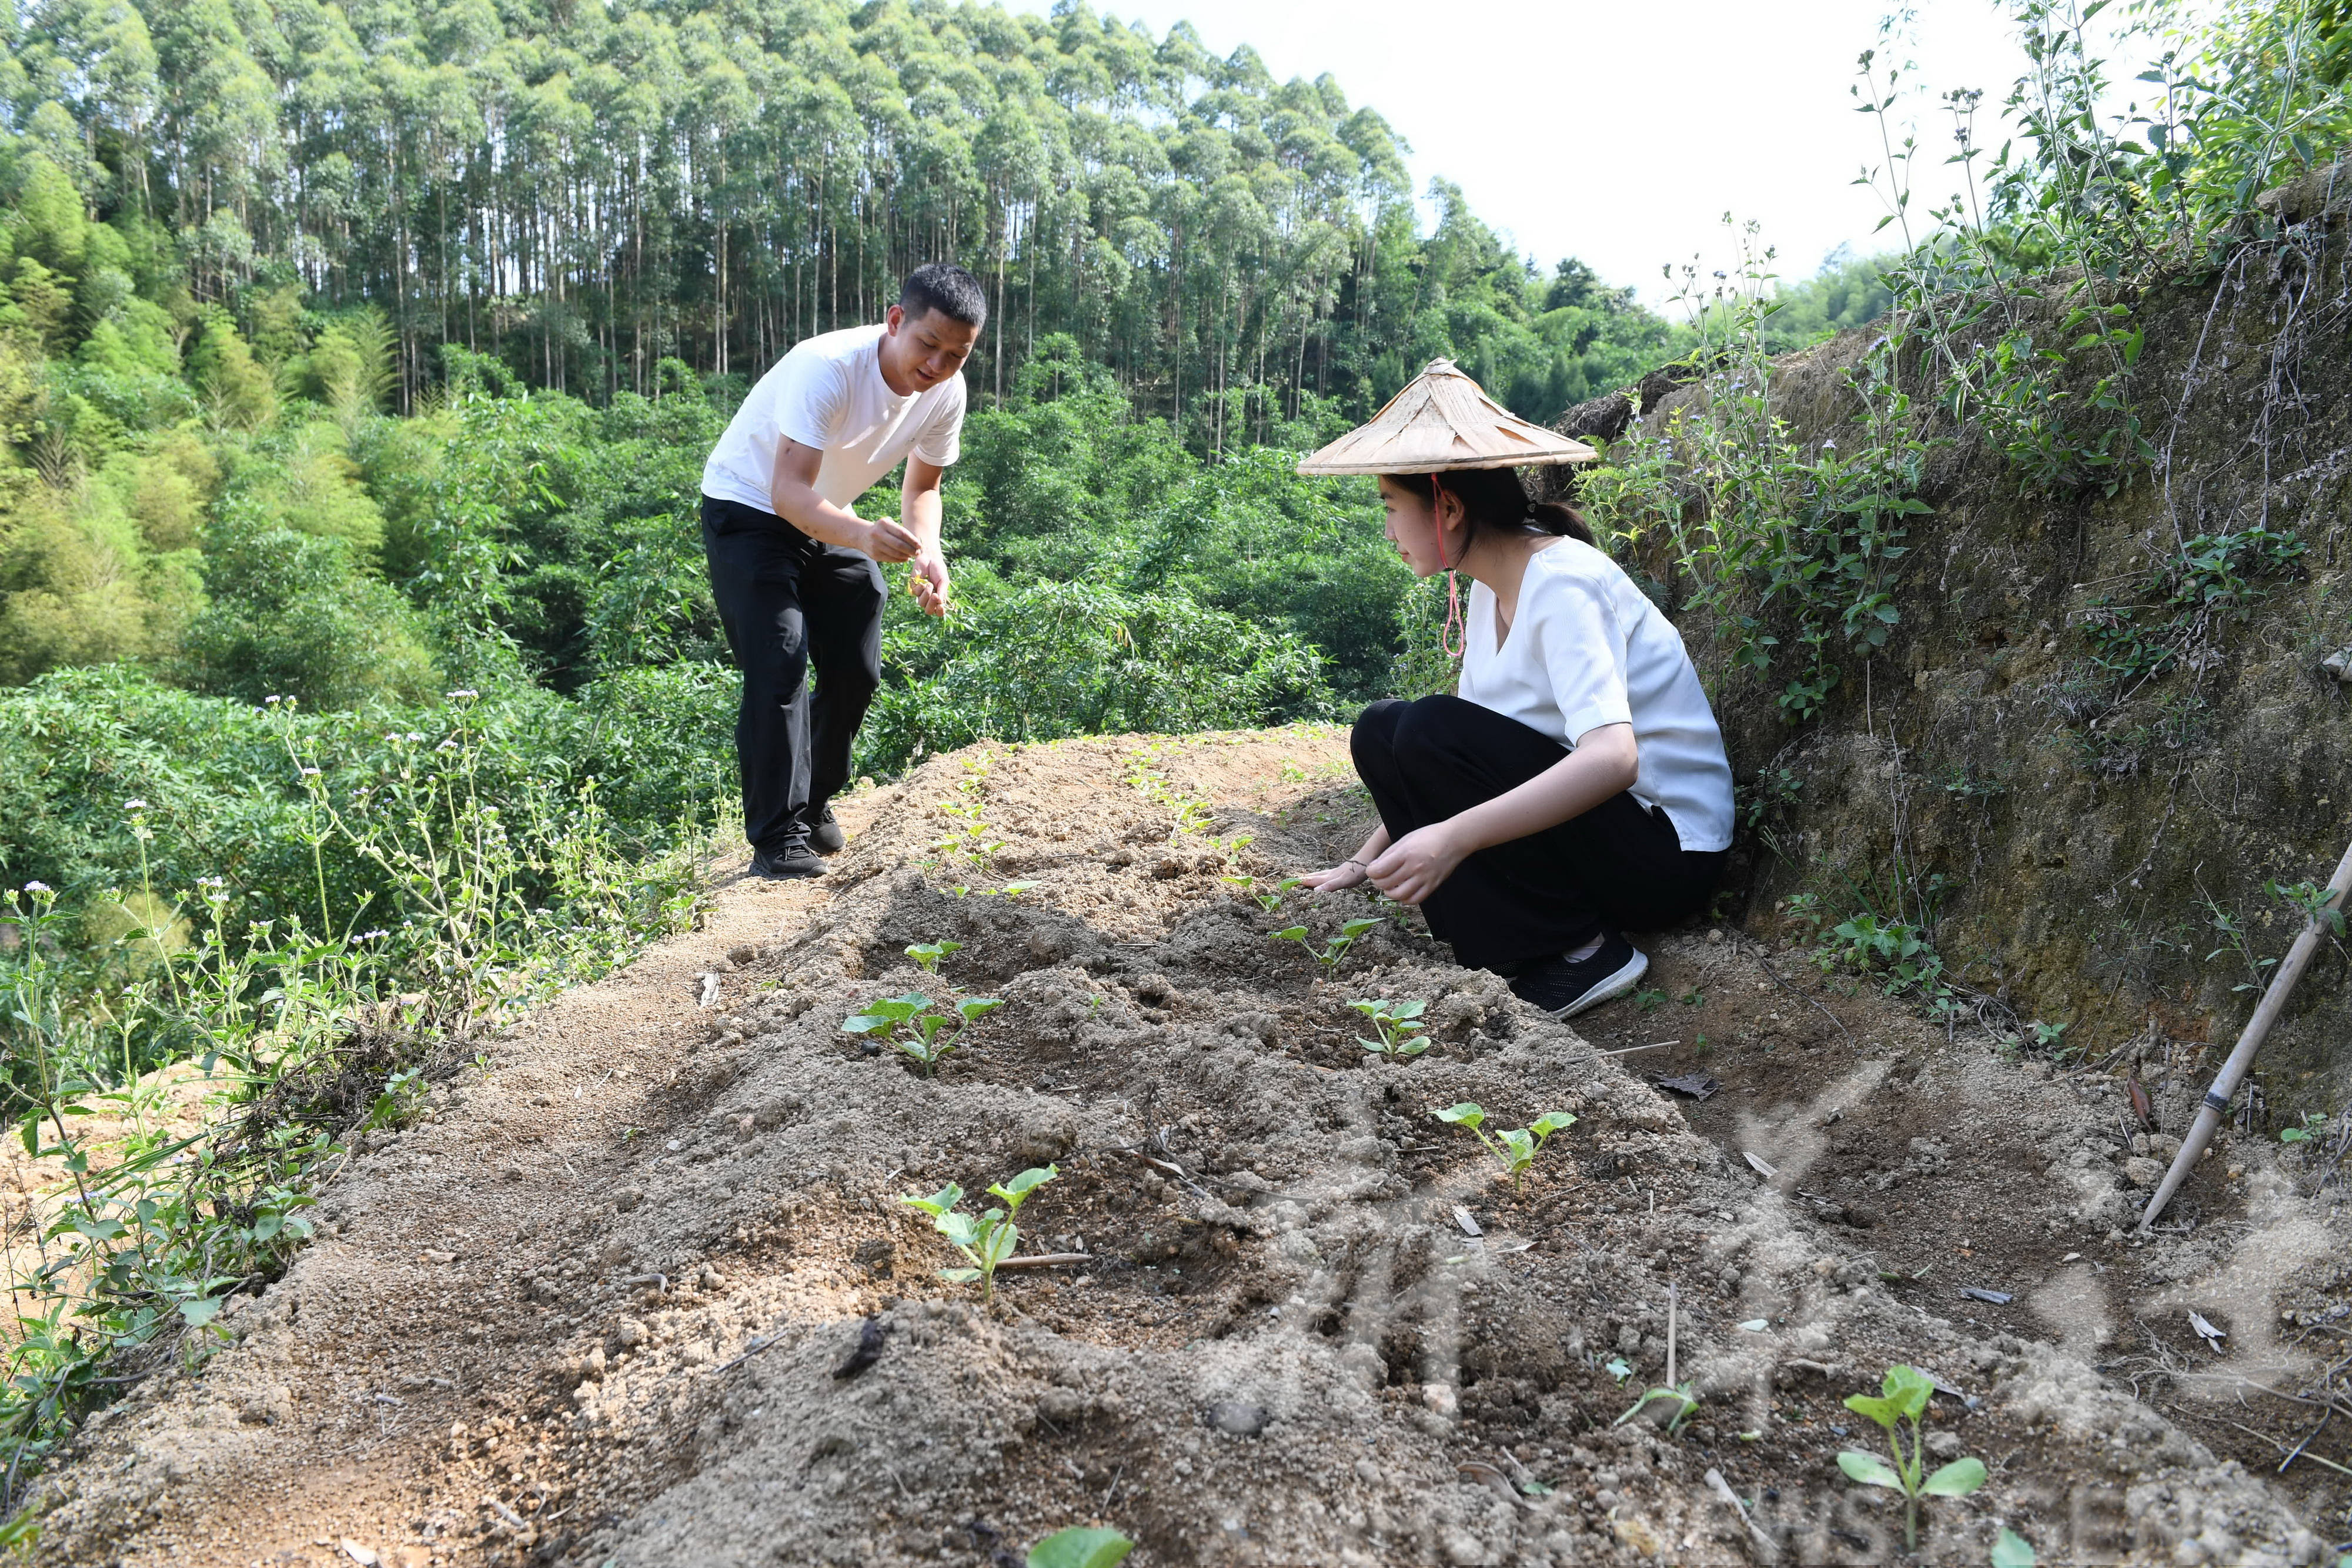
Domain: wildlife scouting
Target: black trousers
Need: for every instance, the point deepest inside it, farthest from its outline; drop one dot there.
(788, 602)
(1620, 866)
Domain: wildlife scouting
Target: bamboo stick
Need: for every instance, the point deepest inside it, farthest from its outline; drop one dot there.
(2242, 1057)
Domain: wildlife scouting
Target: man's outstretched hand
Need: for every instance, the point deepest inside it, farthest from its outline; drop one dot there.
(927, 579)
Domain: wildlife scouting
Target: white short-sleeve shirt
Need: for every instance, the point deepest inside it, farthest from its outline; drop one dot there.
(1587, 648)
(828, 392)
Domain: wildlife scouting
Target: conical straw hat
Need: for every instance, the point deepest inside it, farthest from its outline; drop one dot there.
(1443, 420)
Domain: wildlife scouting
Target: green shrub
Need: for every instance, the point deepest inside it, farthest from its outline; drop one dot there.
(1059, 659)
(292, 614)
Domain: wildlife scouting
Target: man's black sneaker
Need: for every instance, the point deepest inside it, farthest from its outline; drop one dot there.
(825, 836)
(787, 862)
(1566, 986)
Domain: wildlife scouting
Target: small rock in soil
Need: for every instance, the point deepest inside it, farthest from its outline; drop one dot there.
(1697, 1085)
(1238, 1419)
(870, 1335)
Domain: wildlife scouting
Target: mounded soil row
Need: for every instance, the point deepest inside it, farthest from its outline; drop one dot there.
(601, 1305)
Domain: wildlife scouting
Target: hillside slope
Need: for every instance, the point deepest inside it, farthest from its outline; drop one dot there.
(2103, 723)
(600, 1306)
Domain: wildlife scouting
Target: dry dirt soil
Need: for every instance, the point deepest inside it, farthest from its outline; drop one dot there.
(600, 1305)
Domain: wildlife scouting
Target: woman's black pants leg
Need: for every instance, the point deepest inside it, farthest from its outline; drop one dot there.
(1618, 866)
(788, 602)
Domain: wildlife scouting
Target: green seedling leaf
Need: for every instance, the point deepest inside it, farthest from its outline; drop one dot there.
(929, 954)
(1957, 1479)
(1355, 928)
(1291, 934)
(1467, 1114)
(867, 1023)
(1619, 1368)
(1870, 1471)
(939, 1203)
(1909, 1390)
(1550, 1122)
(971, 1007)
(2010, 1550)
(1520, 1147)
(1014, 1191)
(1873, 1408)
(1080, 1548)
(959, 1276)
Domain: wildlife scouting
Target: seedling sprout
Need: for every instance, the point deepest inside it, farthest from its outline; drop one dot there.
(1396, 1023)
(1683, 1395)
(988, 1241)
(929, 954)
(1269, 902)
(1514, 1149)
(908, 1025)
(1334, 948)
(1905, 1392)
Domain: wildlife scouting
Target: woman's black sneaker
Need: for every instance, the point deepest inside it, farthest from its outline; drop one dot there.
(1567, 987)
(787, 862)
(825, 836)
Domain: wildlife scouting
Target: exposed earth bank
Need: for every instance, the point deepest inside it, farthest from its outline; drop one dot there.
(600, 1305)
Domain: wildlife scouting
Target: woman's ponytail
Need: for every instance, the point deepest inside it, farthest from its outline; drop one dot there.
(1559, 517)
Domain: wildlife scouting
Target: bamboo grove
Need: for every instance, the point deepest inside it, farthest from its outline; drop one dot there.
(589, 193)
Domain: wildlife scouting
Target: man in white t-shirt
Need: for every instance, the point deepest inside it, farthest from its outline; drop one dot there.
(794, 571)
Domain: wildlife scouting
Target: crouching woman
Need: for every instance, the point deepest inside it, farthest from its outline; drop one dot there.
(1576, 787)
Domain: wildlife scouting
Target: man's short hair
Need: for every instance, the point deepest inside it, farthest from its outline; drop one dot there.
(947, 288)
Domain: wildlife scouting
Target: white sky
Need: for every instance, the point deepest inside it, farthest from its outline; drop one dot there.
(1623, 134)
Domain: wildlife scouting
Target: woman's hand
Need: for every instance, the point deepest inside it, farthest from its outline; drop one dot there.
(1417, 864)
(1347, 873)
(1351, 872)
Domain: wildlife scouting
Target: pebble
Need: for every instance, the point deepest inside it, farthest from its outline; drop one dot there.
(1462, 1548)
(1239, 1418)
